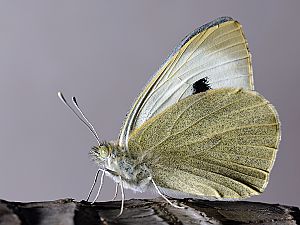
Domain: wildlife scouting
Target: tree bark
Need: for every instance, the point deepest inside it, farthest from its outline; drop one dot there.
(146, 212)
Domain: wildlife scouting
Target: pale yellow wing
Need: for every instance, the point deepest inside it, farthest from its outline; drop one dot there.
(221, 143)
(214, 56)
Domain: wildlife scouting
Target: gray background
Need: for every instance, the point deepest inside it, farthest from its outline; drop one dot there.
(104, 52)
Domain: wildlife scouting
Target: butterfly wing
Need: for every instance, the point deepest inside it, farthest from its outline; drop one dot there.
(213, 56)
(221, 143)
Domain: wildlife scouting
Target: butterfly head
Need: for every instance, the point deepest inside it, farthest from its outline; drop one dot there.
(101, 152)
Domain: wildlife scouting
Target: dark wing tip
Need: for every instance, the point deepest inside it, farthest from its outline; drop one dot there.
(206, 26)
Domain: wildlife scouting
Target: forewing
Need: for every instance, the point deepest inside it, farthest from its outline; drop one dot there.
(221, 143)
(214, 56)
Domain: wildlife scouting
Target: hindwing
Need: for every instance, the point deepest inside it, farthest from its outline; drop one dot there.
(221, 143)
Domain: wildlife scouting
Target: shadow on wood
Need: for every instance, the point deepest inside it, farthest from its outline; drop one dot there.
(146, 212)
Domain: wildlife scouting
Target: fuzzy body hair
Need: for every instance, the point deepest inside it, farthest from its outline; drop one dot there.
(134, 174)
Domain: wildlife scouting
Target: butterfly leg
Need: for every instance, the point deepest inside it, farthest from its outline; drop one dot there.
(164, 197)
(116, 191)
(101, 184)
(94, 183)
(123, 197)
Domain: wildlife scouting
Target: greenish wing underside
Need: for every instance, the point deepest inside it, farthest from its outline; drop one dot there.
(221, 143)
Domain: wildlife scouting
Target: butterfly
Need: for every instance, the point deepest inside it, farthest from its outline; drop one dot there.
(198, 127)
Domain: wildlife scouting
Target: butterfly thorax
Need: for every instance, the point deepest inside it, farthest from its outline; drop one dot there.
(121, 165)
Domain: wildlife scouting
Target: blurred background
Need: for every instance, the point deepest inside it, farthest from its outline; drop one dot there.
(104, 52)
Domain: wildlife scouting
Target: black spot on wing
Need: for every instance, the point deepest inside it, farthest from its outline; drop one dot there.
(201, 85)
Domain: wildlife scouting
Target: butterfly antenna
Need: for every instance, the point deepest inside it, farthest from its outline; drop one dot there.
(83, 115)
(86, 122)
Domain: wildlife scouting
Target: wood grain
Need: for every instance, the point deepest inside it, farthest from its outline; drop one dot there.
(146, 212)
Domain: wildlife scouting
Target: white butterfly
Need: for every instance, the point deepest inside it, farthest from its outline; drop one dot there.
(160, 137)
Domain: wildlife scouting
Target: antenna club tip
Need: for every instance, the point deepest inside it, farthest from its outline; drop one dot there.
(74, 100)
(61, 96)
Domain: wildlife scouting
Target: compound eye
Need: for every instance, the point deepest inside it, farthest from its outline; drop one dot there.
(103, 151)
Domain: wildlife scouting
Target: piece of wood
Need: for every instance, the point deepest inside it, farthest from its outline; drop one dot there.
(146, 212)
